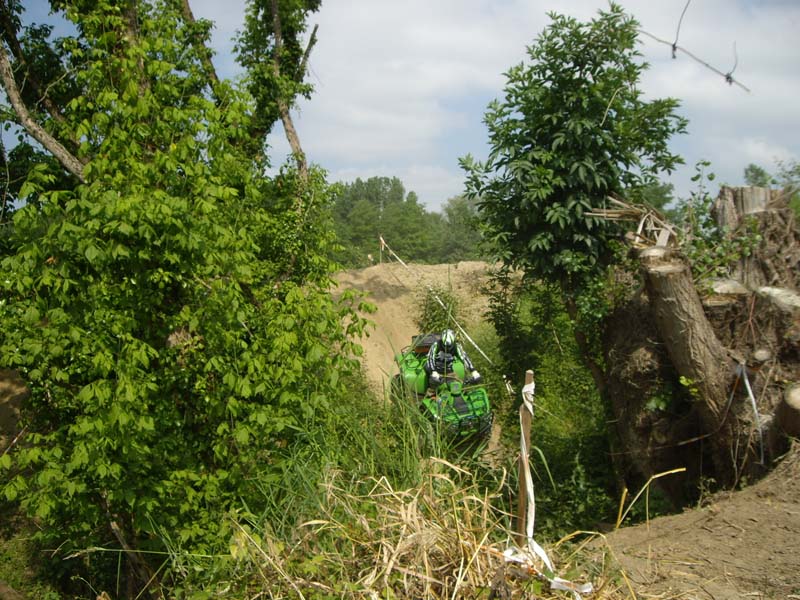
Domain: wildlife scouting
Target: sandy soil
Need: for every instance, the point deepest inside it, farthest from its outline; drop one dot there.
(743, 544)
(737, 545)
(396, 291)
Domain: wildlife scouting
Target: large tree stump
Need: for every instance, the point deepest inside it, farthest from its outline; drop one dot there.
(732, 204)
(693, 347)
(776, 260)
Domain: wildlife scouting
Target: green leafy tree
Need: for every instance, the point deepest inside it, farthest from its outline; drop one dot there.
(271, 49)
(461, 238)
(573, 128)
(658, 194)
(757, 176)
(358, 232)
(410, 230)
(365, 210)
(787, 177)
(534, 329)
(154, 302)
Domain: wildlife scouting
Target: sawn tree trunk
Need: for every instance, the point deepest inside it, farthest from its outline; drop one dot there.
(694, 349)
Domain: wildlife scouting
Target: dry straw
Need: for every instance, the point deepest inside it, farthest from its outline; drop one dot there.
(441, 539)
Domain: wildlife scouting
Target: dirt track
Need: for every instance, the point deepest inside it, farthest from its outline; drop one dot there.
(738, 545)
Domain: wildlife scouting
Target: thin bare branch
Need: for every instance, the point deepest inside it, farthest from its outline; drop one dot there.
(69, 162)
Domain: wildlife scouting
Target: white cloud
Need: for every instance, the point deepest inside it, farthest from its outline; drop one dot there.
(401, 87)
(761, 151)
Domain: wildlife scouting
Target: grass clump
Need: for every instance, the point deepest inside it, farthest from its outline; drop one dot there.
(441, 538)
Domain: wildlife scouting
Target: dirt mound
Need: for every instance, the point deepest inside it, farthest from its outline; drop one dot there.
(397, 291)
(742, 544)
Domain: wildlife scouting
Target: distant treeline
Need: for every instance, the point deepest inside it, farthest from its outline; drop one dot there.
(365, 210)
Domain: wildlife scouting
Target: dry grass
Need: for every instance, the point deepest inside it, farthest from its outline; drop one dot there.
(441, 539)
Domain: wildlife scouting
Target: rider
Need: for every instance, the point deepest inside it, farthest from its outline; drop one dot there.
(441, 355)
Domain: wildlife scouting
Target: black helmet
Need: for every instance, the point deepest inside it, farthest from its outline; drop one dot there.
(448, 339)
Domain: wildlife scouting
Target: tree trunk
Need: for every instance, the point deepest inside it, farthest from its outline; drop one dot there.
(283, 105)
(202, 49)
(694, 349)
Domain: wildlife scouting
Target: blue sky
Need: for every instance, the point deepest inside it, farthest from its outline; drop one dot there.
(401, 87)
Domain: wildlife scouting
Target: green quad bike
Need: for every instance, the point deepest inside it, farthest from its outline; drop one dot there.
(458, 406)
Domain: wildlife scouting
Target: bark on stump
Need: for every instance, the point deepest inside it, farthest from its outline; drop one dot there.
(693, 348)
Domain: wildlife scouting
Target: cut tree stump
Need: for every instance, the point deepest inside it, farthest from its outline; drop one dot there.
(693, 348)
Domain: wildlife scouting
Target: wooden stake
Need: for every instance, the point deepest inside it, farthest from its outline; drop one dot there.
(522, 502)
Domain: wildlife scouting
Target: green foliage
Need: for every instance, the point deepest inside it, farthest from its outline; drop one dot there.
(569, 428)
(462, 238)
(275, 73)
(379, 206)
(365, 210)
(691, 387)
(20, 563)
(171, 316)
(711, 251)
(755, 175)
(572, 128)
(438, 309)
(657, 194)
(787, 177)
(367, 438)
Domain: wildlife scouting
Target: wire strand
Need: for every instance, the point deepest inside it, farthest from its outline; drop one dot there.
(728, 77)
(678, 31)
